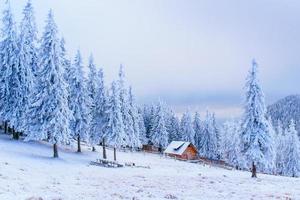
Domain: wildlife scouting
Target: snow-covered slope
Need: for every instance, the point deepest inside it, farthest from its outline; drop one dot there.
(285, 110)
(27, 170)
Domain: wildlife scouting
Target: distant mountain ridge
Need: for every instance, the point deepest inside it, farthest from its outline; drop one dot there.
(285, 110)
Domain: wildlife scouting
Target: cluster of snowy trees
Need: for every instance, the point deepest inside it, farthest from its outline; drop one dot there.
(253, 142)
(46, 96)
(163, 126)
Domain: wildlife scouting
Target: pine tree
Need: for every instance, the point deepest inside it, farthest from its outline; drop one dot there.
(9, 77)
(127, 119)
(230, 147)
(149, 117)
(49, 112)
(79, 102)
(133, 112)
(114, 132)
(291, 153)
(280, 145)
(208, 143)
(99, 120)
(187, 128)
(198, 130)
(168, 119)
(159, 135)
(174, 130)
(142, 127)
(27, 62)
(256, 136)
(215, 132)
(92, 82)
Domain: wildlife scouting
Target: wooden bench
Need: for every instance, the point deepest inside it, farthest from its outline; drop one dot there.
(106, 163)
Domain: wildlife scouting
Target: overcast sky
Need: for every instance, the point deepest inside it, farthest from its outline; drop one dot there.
(190, 53)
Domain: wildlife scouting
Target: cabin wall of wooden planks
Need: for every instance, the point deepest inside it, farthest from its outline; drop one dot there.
(189, 154)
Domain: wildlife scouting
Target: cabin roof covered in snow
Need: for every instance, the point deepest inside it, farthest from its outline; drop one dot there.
(177, 147)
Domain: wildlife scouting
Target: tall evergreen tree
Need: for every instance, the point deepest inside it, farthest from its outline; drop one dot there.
(291, 153)
(159, 135)
(27, 62)
(127, 119)
(280, 142)
(79, 102)
(99, 119)
(49, 112)
(92, 82)
(133, 112)
(230, 147)
(215, 132)
(142, 127)
(174, 129)
(198, 130)
(208, 143)
(114, 132)
(187, 128)
(9, 73)
(256, 136)
(149, 117)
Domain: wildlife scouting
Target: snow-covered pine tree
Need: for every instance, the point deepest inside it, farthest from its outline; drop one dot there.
(256, 136)
(291, 156)
(79, 102)
(27, 62)
(197, 129)
(127, 119)
(9, 77)
(230, 148)
(114, 131)
(280, 145)
(142, 127)
(92, 82)
(133, 112)
(168, 118)
(208, 143)
(215, 132)
(174, 129)
(187, 128)
(99, 120)
(159, 135)
(49, 112)
(148, 116)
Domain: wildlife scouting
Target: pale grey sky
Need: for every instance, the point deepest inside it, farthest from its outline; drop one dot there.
(190, 53)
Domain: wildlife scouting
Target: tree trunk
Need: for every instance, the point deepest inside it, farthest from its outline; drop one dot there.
(253, 170)
(15, 134)
(78, 144)
(93, 149)
(5, 127)
(55, 151)
(104, 150)
(115, 154)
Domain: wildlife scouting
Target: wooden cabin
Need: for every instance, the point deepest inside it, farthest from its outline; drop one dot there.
(181, 150)
(150, 148)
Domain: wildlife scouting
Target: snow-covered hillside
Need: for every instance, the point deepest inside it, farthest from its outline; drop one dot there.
(27, 170)
(285, 110)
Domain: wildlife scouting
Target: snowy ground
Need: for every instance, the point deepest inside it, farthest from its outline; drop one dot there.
(27, 170)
